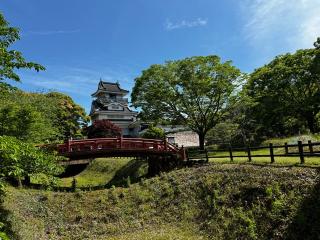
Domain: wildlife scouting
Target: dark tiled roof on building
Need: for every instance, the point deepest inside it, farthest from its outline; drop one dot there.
(111, 87)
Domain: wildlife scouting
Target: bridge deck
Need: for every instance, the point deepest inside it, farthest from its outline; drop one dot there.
(126, 147)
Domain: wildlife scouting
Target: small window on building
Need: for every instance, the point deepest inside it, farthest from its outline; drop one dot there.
(171, 140)
(114, 107)
(113, 97)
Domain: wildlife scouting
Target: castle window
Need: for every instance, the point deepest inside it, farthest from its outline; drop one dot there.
(115, 107)
(113, 96)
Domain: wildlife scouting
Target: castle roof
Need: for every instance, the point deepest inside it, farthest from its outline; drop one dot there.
(110, 87)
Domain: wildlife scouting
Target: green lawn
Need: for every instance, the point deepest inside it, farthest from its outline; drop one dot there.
(292, 160)
(278, 160)
(309, 161)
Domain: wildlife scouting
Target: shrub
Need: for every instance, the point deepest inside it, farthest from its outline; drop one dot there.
(154, 133)
(20, 160)
(103, 128)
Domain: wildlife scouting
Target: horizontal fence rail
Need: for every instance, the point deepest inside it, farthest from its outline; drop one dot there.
(119, 144)
(300, 150)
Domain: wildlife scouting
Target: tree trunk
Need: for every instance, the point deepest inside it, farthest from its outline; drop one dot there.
(311, 123)
(201, 140)
(27, 181)
(19, 182)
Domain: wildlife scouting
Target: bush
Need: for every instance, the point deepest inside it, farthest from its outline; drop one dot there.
(3, 236)
(103, 128)
(154, 133)
(20, 160)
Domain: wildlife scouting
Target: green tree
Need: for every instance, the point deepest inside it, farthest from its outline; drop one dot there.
(223, 133)
(20, 160)
(70, 118)
(11, 59)
(154, 133)
(317, 43)
(194, 90)
(39, 117)
(287, 90)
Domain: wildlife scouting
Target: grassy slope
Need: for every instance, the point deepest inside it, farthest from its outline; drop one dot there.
(108, 170)
(225, 201)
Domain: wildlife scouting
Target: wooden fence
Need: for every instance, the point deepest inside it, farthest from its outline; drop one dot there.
(301, 150)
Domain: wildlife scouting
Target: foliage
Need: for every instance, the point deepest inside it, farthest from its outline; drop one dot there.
(25, 122)
(19, 160)
(222, 134)
(4, 236)
(240, 112)
(154, 133)
(39, 117)
(193, 90)
(11, 59)
(103, 128)
(226, 201)
(70, 118)
(287, 93)
(317, 43)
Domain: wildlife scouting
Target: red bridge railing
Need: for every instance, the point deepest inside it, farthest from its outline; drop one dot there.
(126, 144)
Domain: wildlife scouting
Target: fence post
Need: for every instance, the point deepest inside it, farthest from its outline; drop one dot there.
(187, 154)
(249, 154)
(207, 158)
(300, 146)
(165, 144)
(230, 152)
(286, 148)
(310, 146)
(271, 152)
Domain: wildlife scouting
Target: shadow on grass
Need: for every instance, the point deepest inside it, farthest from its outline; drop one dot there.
(132, 172)
(306, 223)
(4, 215)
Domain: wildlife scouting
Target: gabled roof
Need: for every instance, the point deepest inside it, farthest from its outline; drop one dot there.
(110, 88)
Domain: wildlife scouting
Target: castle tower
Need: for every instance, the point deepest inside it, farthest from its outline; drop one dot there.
(109, 103)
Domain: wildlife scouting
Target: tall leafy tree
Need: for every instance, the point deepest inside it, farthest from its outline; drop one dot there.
(194, 90)
(39, 117)
(10, 60)
(69, 117)
(288, 89)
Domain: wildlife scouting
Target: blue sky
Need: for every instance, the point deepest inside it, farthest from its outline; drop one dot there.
(81, 41)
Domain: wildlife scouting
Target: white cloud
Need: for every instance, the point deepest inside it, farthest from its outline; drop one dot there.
(185, 24)
(292, 23)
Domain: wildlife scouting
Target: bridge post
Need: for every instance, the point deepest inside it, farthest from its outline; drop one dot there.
(165, 144)
(184, 157)
(68, 144)
(120, 141)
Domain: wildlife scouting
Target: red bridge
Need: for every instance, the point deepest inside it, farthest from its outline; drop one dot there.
(80, 151)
